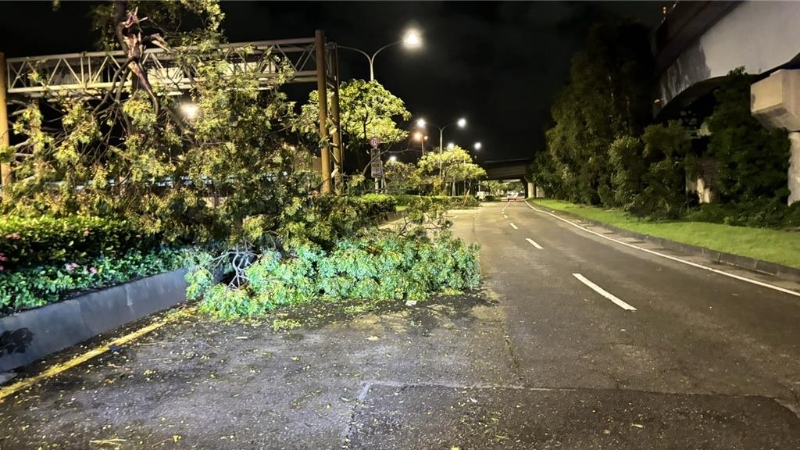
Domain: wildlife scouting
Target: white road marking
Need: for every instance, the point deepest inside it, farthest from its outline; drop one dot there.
(513, 226)
(533, 243)
(699, 266)
(505, 216)
(604, 293)
(504, 207)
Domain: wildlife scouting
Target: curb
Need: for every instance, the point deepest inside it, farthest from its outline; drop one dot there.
(31, 335)
(741, 262)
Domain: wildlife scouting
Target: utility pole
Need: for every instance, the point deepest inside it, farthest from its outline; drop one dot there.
(338, 151)
(6, 176)
(322, 90)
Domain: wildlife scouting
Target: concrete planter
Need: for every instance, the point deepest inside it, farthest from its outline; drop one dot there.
(31, 335)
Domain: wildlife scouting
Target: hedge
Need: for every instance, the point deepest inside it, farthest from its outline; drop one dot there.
(31, 242)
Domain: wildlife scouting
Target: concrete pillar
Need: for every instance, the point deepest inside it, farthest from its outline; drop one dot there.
(794, 167)
(775, 102)
(531, 190)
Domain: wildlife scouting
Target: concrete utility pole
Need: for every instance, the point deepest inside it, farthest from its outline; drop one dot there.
(322, 90)
(6, 176)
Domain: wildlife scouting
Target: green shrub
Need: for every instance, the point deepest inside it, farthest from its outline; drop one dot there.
(767, 213)
(381, 266)
(329, 219)
(30, 242)
(31, 287)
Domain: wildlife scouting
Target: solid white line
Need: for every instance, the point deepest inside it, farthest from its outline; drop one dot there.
(604, 293)
(504, 207)
(513, 226)
(699, 266)
(534, 243)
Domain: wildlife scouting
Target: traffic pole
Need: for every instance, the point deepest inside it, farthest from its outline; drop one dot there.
(322, 90)
(6, 176)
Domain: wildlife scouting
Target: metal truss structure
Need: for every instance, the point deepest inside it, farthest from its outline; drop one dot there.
(91, 72)
(308, 60)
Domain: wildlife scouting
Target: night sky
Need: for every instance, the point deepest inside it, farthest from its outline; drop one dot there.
(498, 64)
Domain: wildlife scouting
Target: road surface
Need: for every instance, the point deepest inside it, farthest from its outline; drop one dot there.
(588, 344)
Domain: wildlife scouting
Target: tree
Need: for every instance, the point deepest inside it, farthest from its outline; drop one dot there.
(448, 167)
(366, 110)
(220, 172)
(399, 177)
(667, 156)
(607, 96)
(753, 161)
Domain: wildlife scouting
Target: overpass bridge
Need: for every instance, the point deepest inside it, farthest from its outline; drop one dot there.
(699, 43)
(512, 170)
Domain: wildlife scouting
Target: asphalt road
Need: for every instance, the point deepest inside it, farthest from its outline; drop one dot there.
(577, 343)
(699, 335)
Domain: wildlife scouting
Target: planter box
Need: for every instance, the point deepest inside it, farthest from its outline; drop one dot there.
(31, 335)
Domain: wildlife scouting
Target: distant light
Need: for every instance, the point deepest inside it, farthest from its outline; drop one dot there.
(421, 123)
(412, 39)
(285, 173)
(450, 145)
(189, 110)
(462, 122)
(477, 146)
(393, 158)
(418, 136)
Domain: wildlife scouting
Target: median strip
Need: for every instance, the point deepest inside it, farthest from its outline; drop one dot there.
(533, 243)
(604, 293)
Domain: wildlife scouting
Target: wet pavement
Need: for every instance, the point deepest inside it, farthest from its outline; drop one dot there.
(536, 360)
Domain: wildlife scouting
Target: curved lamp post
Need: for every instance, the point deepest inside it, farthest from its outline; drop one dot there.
(411, 40)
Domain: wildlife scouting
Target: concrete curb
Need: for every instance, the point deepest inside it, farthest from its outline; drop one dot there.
(742, 262)
(31, 335)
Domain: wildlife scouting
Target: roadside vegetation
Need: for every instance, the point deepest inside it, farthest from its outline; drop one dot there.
(136, 182)
(778, 246)
(604, 149)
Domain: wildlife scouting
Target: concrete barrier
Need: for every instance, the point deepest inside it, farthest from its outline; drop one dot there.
(31, 335)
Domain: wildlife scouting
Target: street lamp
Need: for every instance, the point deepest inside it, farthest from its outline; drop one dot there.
(478, 146)
(412, 39)
(462, 122)
(393, 158)
(189, 110)
(450, 145)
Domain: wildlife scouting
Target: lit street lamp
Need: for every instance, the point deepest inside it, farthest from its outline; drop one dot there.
(393, 158)
(450, 145)
(478, 146)
(462, 122)
(411, 40)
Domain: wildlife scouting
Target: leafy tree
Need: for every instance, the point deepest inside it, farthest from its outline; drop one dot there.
(400, 177)
(607, 96)
(441, 169)
(366, 110)
(221, 170)
(667, 154)
(753, 161)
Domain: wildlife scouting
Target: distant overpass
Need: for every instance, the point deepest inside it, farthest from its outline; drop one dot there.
(699, 43)
(511, 169)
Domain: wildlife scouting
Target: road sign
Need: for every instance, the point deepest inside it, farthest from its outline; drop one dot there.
(374, 142)
(377, 165)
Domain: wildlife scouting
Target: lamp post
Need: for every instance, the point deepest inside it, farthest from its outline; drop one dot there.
(411, 40)
(462, 122)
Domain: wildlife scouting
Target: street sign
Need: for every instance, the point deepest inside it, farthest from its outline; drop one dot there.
(377, 165)
(374, 142)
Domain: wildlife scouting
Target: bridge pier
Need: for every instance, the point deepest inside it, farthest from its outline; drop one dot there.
(776, 104)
